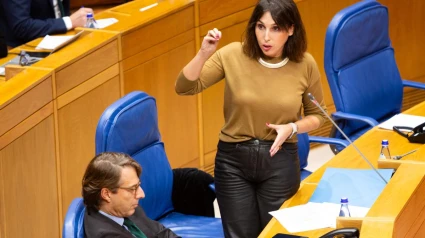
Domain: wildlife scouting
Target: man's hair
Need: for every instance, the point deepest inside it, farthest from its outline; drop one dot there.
(285, 14)
(104, 171)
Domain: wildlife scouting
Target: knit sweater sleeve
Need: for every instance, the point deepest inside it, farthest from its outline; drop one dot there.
(211, 73)
(315, 88)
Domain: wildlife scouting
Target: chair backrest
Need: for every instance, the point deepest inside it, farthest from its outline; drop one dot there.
(130, 125)
(360, 64)
(73, 225)
(303, 149)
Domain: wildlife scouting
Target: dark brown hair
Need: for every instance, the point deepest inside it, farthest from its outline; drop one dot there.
(104, 171)
(285, 13)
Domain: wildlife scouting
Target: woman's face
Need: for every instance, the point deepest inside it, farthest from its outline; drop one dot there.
(270, 37)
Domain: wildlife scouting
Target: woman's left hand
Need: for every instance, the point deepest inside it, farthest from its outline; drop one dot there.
(283, 132)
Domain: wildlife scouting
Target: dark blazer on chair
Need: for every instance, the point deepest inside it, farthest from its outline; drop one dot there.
(26, 20)
(97, 225)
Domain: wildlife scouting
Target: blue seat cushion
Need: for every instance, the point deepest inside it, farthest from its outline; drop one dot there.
(193, 226)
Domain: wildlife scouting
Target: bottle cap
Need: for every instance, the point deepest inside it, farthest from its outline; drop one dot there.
(90, 15)
(384, 142)
(344, 200)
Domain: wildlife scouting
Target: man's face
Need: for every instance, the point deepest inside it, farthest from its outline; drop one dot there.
(124, 202)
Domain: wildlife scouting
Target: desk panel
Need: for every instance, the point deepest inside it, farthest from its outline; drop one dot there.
(29, 203)
(89, 66)
(25, 105)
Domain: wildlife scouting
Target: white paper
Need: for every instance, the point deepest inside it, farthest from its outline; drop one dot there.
(310, 216)
(2, 71)
(102, 23)
(402, 120)
(51, 42)
(356, 211)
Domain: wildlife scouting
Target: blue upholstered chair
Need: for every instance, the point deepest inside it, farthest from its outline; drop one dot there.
(361, 69)
(73, 225)
(130, 125)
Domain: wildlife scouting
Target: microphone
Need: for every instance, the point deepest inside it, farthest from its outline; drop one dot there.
(346, 137)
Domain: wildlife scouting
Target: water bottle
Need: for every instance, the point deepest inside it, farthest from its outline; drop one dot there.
(385, 150)
(344, 211)
(91, 22)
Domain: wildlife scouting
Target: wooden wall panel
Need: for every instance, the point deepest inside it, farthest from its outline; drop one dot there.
(211, 10)
(407, 24)
(77, 123)
(149, 35)
(28, 172)
(177, 115)
(158, 50)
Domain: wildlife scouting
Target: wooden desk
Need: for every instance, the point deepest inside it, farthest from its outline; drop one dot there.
(48, 118)
(398, 210)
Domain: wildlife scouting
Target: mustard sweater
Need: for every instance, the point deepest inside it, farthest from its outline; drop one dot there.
(255, 95)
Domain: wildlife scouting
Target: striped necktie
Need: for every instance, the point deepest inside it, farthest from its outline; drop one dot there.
(61, 9)
(134, 230)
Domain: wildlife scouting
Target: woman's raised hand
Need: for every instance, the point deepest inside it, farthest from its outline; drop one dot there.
(210, 42)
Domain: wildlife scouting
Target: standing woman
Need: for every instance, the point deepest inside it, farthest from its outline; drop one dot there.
(267, 79)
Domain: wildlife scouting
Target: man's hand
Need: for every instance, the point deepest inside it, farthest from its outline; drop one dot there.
(79, 18)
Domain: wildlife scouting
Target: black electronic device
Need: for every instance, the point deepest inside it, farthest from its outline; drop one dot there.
(413, 135)
(281, 235)
(350, 232)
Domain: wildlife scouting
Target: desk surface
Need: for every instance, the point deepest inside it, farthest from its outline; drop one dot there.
(369, 144)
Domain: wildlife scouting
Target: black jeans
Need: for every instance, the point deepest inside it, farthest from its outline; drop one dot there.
(249, 184)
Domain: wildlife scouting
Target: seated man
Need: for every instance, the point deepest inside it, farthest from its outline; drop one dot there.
(25, 20)
(111, 193)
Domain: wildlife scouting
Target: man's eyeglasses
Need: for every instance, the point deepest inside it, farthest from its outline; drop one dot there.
(132, 189)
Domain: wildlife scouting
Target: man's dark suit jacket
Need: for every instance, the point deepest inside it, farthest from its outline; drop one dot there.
(26, 20)
(97, 225)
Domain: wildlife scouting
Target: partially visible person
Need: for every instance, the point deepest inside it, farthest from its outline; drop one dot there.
(3, 46)
(111, 192)
(267, 81)
(26, 20)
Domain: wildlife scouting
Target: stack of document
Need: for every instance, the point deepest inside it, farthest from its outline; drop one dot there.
(402, 120)
(313, 216)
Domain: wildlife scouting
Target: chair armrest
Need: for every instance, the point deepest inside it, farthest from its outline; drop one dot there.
(212, 187)
(327, 140)
(412, 84)
(348, 116)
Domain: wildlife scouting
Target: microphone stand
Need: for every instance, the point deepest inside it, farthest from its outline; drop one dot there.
(346, 137)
